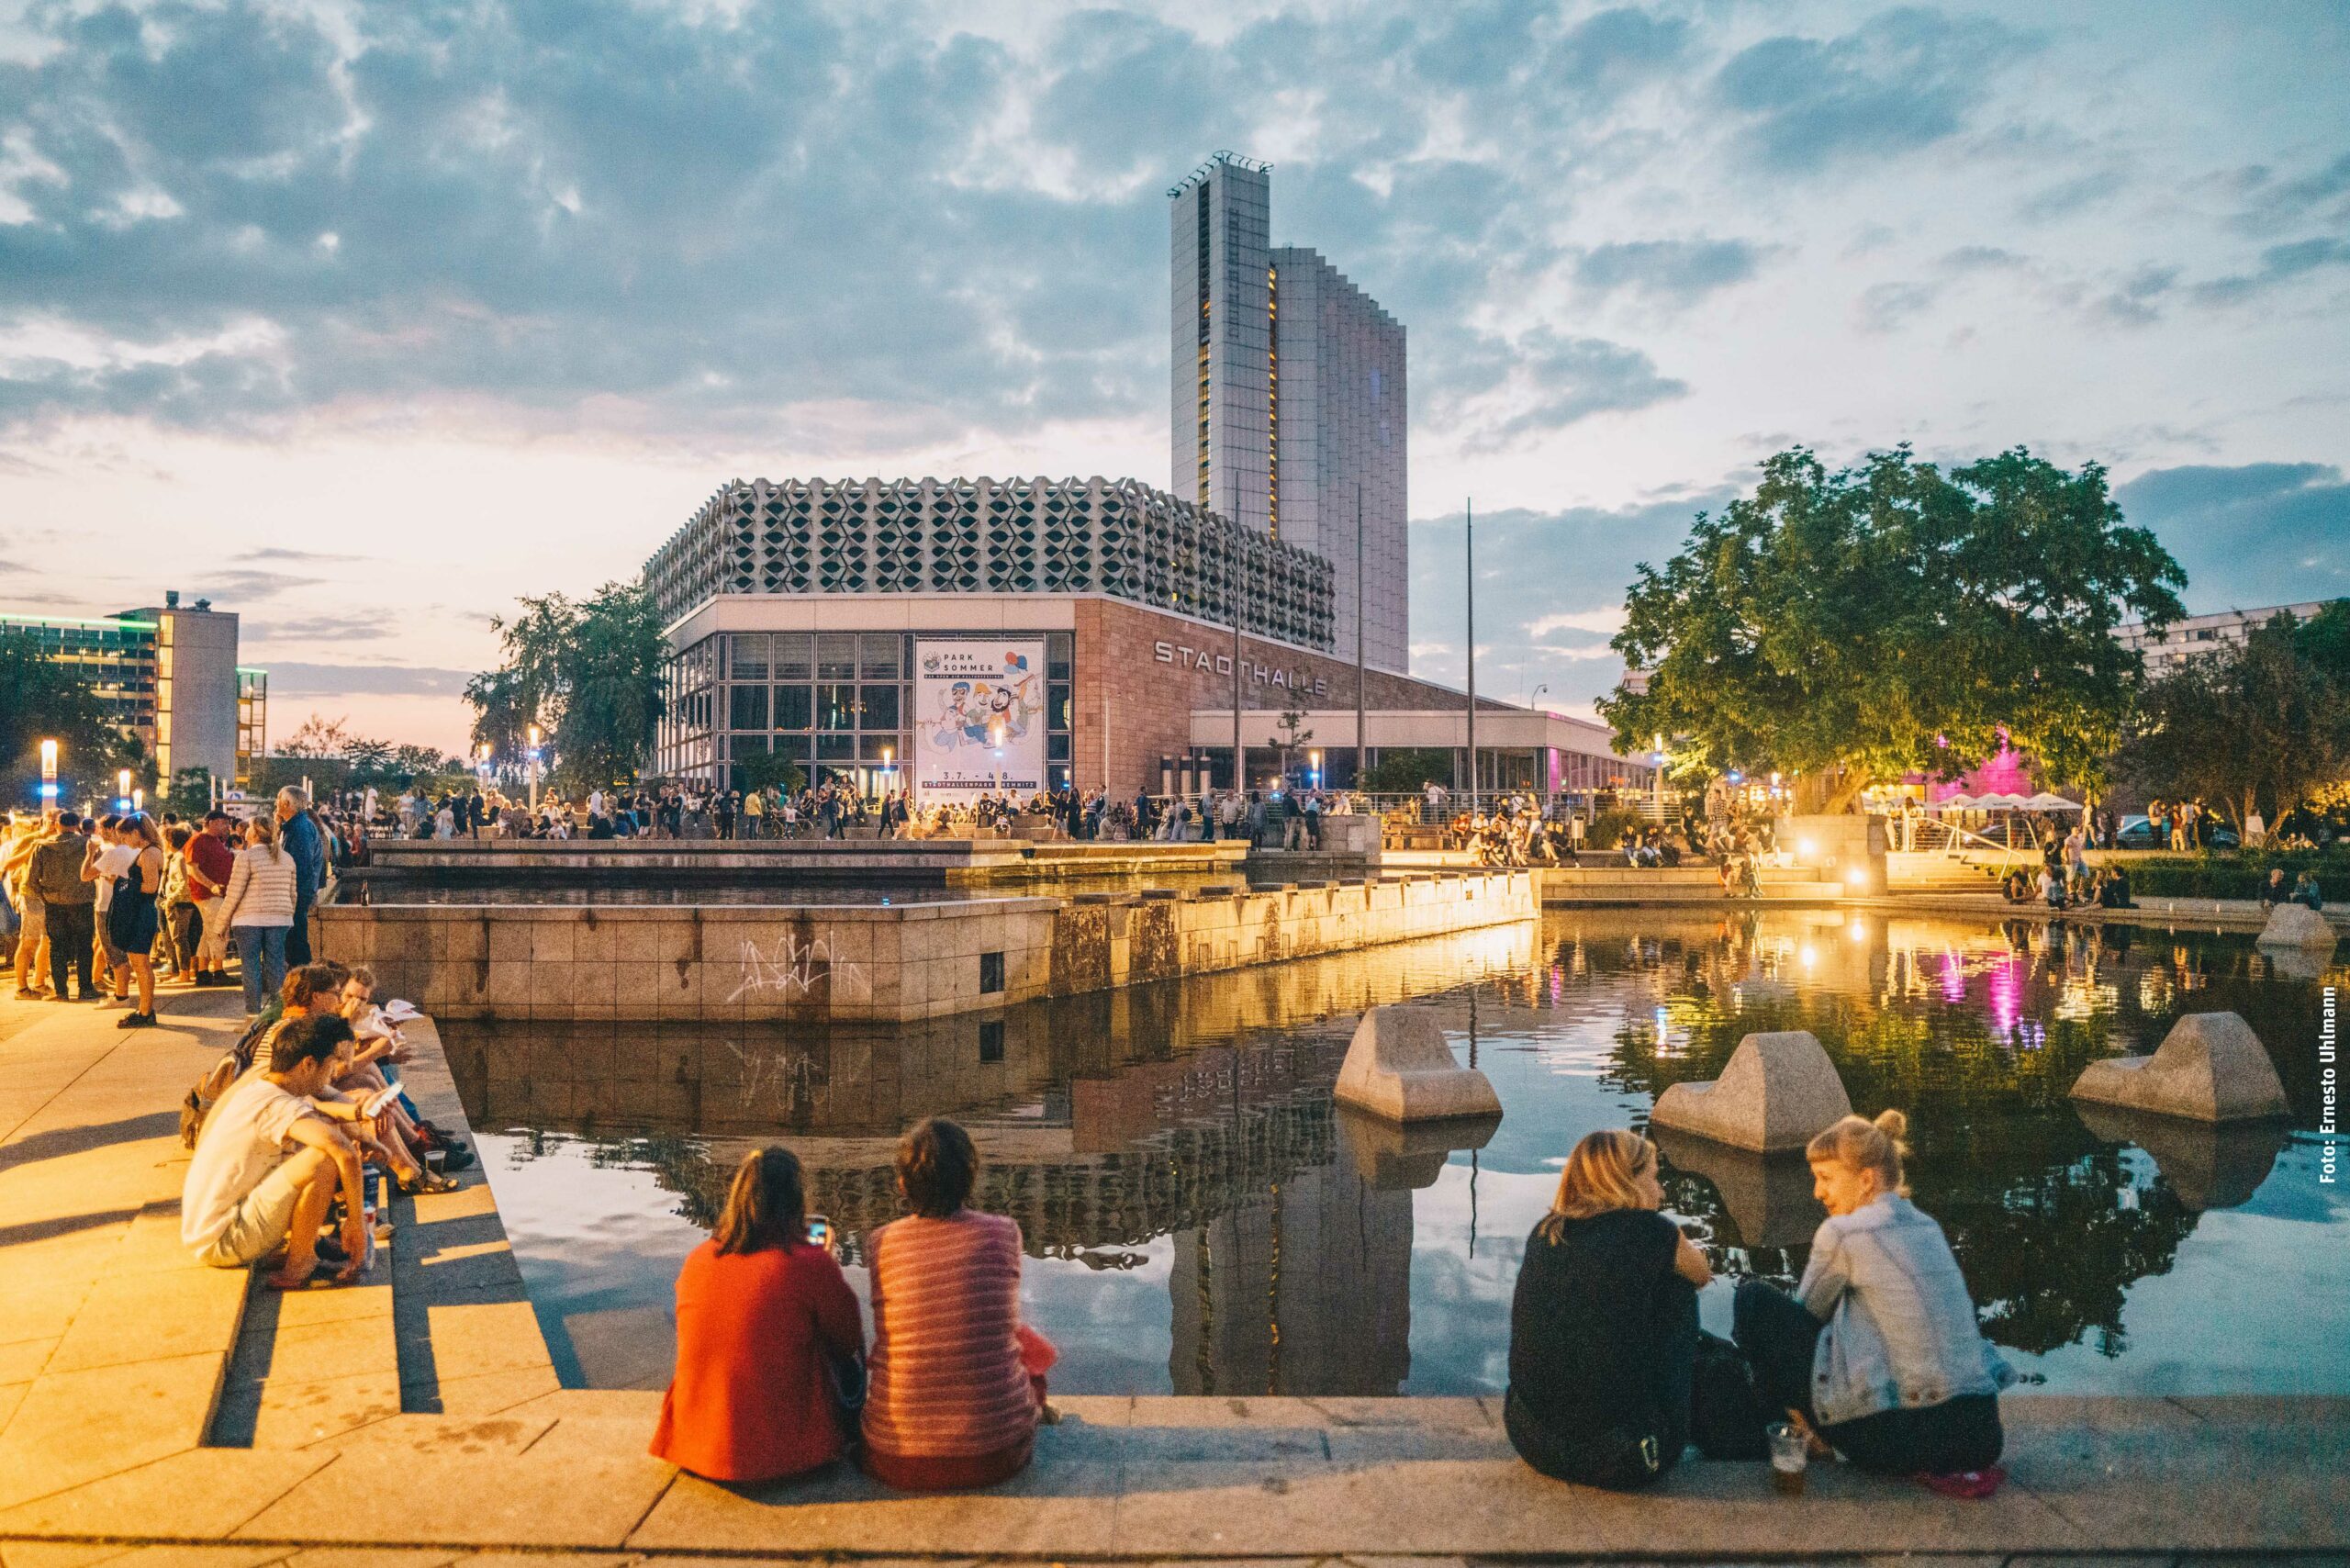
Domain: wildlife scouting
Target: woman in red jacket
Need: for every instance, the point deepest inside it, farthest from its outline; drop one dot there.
(760, 1307)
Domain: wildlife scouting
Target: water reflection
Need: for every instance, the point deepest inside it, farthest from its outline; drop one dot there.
(1202, 1220)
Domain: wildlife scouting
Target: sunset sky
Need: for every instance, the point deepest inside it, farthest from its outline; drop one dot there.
(365, 319)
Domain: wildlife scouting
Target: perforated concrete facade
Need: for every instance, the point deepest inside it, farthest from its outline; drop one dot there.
(969, 536)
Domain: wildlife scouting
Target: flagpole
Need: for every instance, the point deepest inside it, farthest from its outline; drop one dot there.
(1468, 512)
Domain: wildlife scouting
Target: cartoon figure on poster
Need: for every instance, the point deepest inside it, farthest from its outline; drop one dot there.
(985, 712)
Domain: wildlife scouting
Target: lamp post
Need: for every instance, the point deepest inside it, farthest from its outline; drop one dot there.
(48, 773)
(122, 790)
(1658, 755)
(535, 767)
(139, 800)
(888, 772)
(1314, 763)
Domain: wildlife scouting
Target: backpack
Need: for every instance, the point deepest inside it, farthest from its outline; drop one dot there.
(222, 1076)
(218, 1079)
(1728, 1413)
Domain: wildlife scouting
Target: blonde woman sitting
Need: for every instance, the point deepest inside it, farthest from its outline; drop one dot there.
(1603, 1329)
(1878, 1352)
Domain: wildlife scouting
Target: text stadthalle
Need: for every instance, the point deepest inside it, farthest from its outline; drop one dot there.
(1301, 680)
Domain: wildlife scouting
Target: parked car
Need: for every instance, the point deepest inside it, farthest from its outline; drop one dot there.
(2137, 833)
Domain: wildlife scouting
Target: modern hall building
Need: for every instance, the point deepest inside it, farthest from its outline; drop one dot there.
(1289, 410)
(2202, 636)
(1026, 633)
(168, 674)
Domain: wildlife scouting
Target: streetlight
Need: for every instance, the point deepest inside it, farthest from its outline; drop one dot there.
(1538, 692)
(48, 771)
(1314, 758)
(139, 800)
(889, 771)
(122, 790)
(535, 767)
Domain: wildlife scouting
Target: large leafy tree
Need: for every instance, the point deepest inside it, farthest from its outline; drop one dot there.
(43, 699)
(1854, 626)
(588, 672)
(2263, 723)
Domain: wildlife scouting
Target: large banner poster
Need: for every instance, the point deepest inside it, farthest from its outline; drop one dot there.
(979, 719)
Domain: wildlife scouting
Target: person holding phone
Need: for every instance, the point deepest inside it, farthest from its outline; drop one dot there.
(764, 1316)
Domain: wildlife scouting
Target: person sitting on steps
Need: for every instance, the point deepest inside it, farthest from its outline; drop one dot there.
(1878, 1354)
(1603, 1329)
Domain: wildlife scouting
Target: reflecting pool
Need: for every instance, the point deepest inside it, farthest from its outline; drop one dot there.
(1202, 1219)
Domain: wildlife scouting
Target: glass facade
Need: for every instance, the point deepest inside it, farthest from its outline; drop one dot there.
(835, 704)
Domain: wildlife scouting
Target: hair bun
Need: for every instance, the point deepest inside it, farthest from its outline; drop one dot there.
(1892, 1124)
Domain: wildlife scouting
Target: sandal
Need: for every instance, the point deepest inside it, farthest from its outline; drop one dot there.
(426, 1182)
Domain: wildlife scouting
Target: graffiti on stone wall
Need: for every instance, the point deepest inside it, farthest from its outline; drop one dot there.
(790, 968)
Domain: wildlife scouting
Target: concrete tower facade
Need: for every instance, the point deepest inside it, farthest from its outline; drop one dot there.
(1288, 392)
(1221, 339)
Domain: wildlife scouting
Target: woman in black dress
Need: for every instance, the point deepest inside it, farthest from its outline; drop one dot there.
(133, 918)
(1603, 1330)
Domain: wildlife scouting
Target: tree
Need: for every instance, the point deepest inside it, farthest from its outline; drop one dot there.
(589, 673)
(2261, 724)
(757, 770)
(1403, 772)
(1290, 733)
(1853, 627)
(43, 699)
(190, 792)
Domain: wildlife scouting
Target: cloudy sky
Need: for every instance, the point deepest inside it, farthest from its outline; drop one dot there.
(365, 319)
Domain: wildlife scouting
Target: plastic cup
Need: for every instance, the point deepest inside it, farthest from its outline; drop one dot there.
(1788, 1458)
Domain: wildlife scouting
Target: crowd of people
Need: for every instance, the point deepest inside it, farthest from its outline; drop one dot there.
(108, 908)
(1876, 1356)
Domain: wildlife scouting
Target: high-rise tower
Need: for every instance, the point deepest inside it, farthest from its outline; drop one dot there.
(1289, 399)
(1221, 339)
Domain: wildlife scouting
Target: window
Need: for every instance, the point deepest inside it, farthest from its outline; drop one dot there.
(991, 1039)
(836, 748)
(750, 656)
(794, 708)
(792, 658)
(877, 656)
(1058, 655)
(880, 708)
(747, 708)
(1056, 747)
(836, 656)
(1056, 705)
(836, 707)
(872, 746)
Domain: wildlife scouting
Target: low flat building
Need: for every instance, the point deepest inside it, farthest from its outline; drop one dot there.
(960, 636)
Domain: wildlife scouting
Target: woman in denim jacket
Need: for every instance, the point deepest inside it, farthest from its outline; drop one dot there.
(1878, 1353)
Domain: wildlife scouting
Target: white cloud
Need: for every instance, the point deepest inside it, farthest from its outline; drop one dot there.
(1601, 623)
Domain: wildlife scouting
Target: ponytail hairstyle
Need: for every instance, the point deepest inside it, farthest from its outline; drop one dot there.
(1876, 1145)
(1598, 1178)
(767, 1204)
(937, 1165)
(265, 827)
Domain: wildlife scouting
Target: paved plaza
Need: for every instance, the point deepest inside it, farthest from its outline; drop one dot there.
(156, 1412)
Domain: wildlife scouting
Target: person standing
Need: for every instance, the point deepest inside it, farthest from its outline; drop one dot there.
(264, 889)
(299, 836)
(70, 908)
(211, 858)
(132, 916)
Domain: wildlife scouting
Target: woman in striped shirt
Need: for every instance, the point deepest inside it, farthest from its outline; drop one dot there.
(956, 1382)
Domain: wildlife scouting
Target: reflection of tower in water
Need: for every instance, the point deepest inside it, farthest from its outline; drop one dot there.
(1303, 1289)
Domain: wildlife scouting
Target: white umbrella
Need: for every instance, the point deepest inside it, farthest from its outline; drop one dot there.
(1996, 802)
(1956, 803)
(2044, 802)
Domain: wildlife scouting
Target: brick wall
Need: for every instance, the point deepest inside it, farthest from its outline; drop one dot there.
(1148, 704)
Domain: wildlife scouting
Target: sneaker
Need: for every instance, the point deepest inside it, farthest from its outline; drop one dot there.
(108, 999)
(27, 993)
(60, 996)
(135, 1021)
